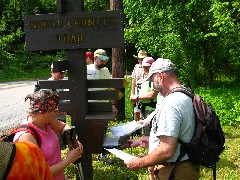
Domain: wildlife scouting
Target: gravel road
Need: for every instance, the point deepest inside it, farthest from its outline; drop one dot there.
(13, 108)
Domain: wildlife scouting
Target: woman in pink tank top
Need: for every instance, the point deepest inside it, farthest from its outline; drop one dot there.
(42, 117)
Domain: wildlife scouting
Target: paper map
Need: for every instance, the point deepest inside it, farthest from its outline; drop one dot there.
(120, 154)
(125, 129)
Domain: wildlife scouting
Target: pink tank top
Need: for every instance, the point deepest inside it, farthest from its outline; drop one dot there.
(50, 147)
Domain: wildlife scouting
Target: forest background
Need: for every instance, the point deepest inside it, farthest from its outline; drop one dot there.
(202, 37)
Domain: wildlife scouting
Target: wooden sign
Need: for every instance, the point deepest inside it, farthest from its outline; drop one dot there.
(74, 30)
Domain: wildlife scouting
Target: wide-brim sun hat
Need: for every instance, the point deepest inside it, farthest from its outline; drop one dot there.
(141, 54)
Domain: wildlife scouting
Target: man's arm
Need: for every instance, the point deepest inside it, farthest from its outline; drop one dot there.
(162, 153)
(145, 96)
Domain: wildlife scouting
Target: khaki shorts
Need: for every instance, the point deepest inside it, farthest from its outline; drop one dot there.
(184, 171)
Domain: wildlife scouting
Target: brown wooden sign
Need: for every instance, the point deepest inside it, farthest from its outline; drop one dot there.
(74, 30)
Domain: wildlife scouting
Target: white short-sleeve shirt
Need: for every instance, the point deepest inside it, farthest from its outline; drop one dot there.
(175, 117)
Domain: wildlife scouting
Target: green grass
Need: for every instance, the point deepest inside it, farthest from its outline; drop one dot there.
(12, 75)
(228, 168)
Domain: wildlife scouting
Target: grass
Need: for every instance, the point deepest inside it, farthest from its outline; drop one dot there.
(22, 75)
(228, 168)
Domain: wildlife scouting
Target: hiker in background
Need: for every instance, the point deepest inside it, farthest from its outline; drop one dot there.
(136, 81)
(98, 70)
(174, 120)
(42, 115)
(58, 76)
(89, 58)
(61, 116)
(23, 160)
(147, 94)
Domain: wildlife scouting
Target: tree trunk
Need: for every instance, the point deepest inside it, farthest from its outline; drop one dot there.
(118, 65)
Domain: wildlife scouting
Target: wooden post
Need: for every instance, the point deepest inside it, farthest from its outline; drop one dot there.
(77, 77)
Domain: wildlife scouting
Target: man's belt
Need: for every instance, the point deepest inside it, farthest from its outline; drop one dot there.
(174, 163)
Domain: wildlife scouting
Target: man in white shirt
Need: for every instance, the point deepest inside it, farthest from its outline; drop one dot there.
(98, 70)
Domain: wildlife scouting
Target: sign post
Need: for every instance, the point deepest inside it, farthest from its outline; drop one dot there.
(73, 30)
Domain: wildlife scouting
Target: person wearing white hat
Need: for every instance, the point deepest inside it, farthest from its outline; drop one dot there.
(137, 78)
(174, 120)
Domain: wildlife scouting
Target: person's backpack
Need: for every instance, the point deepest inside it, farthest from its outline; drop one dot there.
(24, 127)
(208, 141)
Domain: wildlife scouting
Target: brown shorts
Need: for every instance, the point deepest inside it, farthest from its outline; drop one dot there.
(184, 170)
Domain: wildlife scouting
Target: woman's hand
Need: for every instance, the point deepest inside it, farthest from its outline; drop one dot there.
(133, 99)
(74, 155)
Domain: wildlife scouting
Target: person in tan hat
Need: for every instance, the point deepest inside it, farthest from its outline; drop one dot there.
(136, 79)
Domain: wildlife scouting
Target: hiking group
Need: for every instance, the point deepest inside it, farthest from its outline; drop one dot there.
(161, 104)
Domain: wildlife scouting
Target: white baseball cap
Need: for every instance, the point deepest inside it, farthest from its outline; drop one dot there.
(160, 65)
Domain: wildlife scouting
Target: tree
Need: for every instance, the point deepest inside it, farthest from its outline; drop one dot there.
(118, 64)
(186, 33)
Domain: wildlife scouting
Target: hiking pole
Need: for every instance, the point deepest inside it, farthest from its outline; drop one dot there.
(72, 138)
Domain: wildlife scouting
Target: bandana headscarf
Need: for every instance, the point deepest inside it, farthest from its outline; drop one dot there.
(43, 101)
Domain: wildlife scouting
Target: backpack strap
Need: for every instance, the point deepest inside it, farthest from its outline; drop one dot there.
(189, 93)
(30, 129)
(181, 155)
(184, 90)
(214, 172)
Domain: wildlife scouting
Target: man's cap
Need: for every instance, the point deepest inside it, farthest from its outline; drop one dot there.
(101, 54)
(88, 55)
(147, 61)
(58, 71)
(141, 54)
(160, 65)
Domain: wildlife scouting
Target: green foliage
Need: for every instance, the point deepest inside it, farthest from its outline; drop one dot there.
(225, 101)
(26, 65)
(96, 5)
(192, 34)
